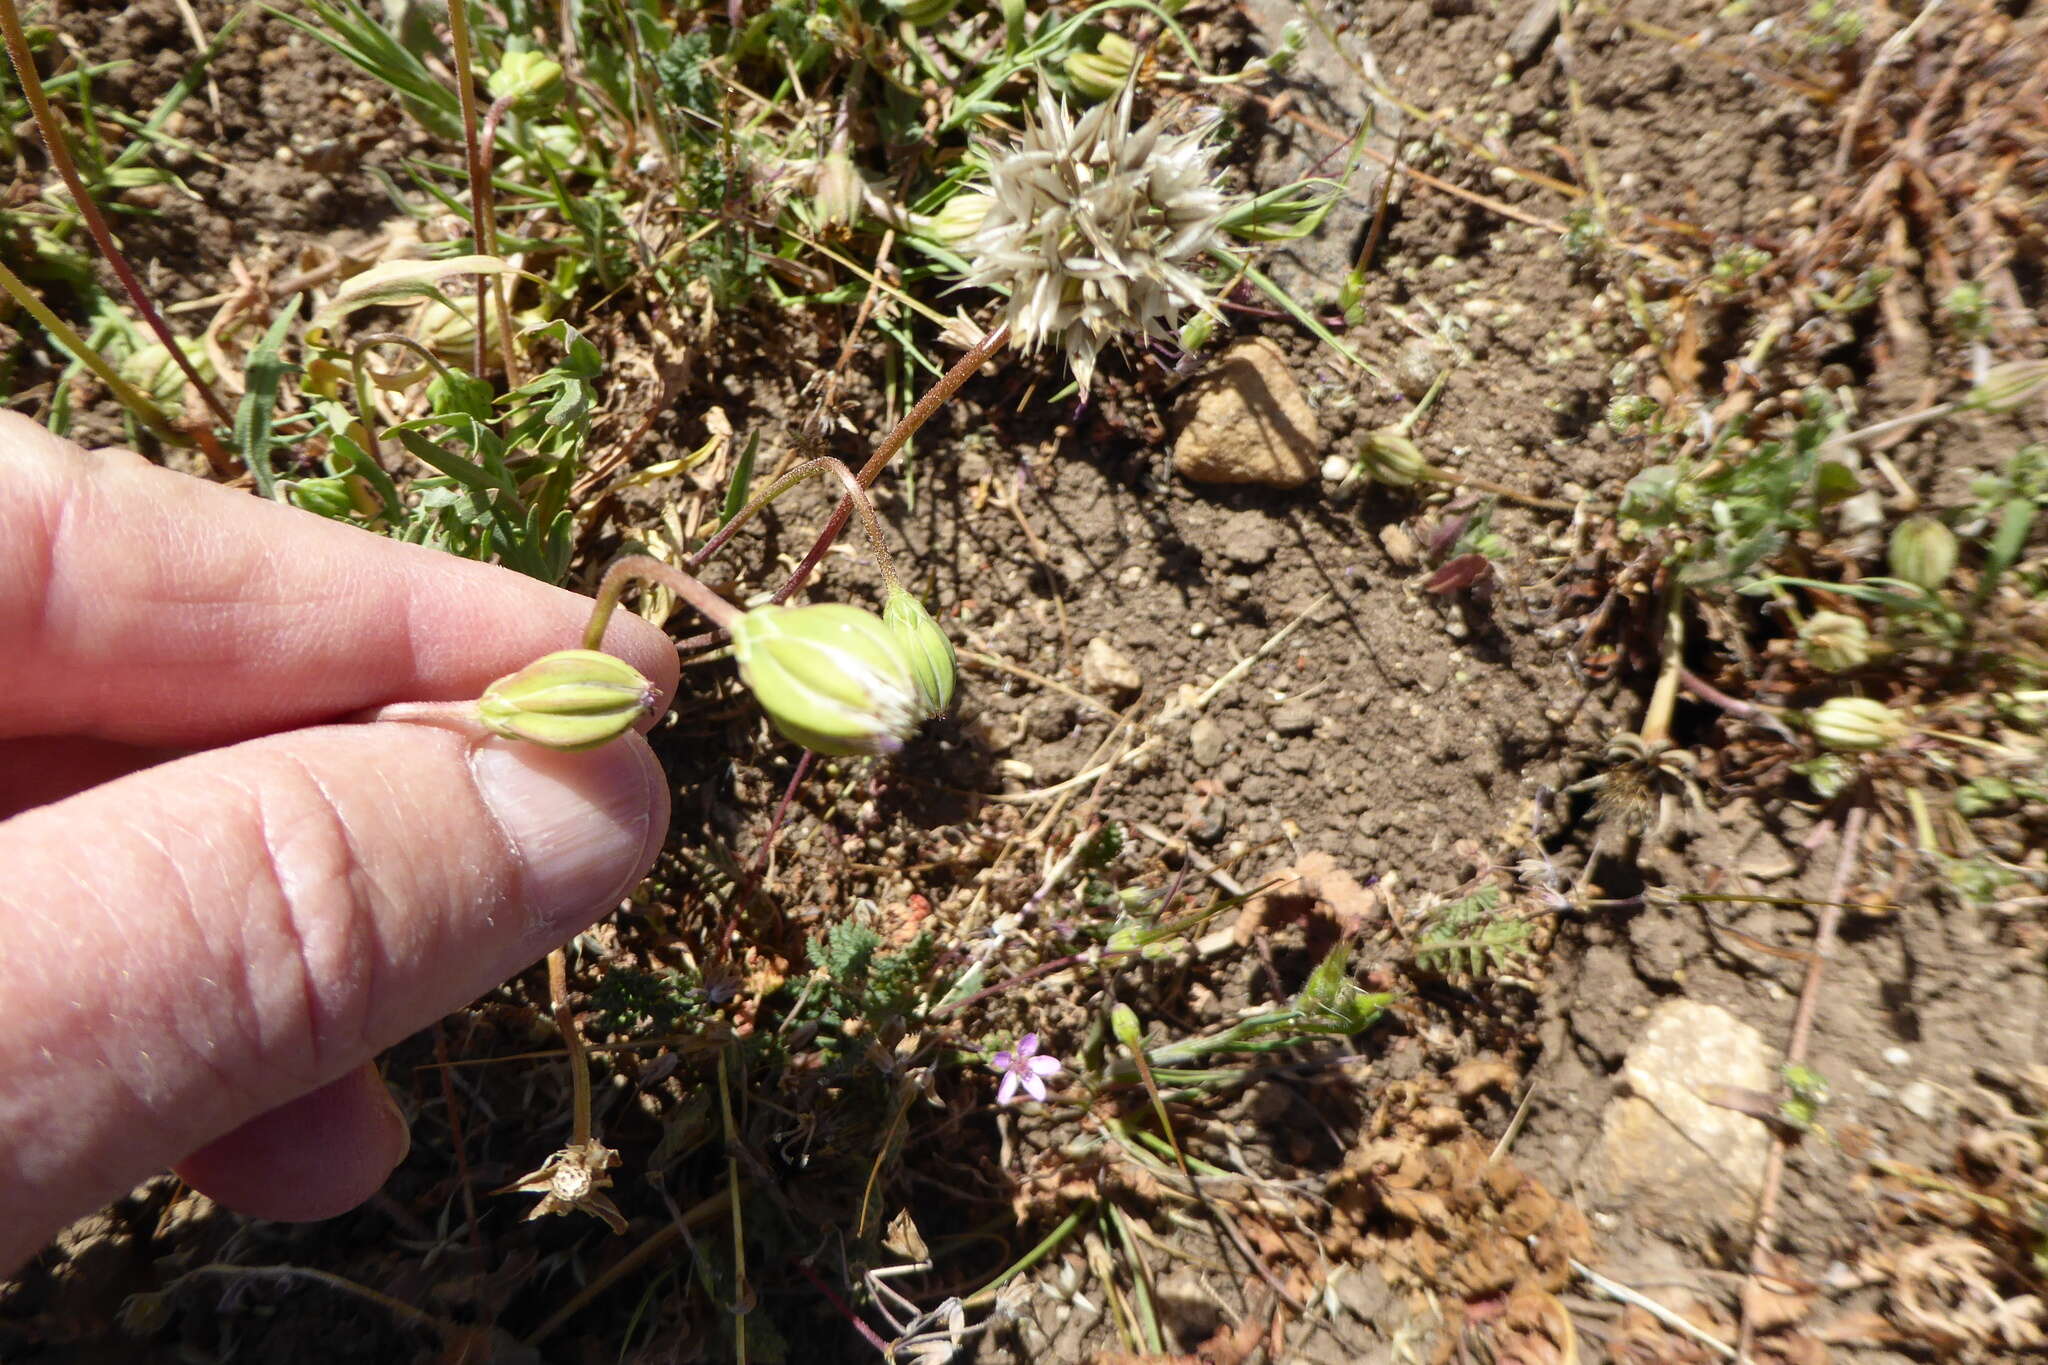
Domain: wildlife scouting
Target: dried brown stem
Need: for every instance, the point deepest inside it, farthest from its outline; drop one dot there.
(1825, 936)
(572, 1039)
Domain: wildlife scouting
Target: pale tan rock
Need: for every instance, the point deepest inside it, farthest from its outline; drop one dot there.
(1105, 669)
(1247, 422)
(1668, 1155)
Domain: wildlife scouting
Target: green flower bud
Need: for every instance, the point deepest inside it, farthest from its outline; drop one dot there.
(1858, 725)
(958, 219)
(1195, 334)
(339, 496)
(1293, 38)
(1100, 74)
(1123, 1022)
(930, 653)
(528, 79)
(1923, 552)
(1388, 457)
(1014, 17)
(833, 678)
(1627, 411)
(1835, 641)
(921, 12)
(571, 699)
(2006, 387)
(837, 188)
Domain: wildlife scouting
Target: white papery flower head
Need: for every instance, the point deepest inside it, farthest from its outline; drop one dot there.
(1095, 224)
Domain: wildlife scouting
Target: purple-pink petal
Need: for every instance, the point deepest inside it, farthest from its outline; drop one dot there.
(1045, 1066)
(1003, 1061)
(1027, 1046)
(1007, 1091)
(1034, 1085)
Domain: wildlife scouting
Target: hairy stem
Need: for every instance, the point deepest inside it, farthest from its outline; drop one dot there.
(579, 1060)
(52, 130)
(934, 398)
(501, 287)
(810, 469)
(647, 569)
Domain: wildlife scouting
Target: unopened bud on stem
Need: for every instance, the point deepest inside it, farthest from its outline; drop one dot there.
(571, 699)
(1386, 456)
(831, 677)
(1922, 552)
(1100, 74)
(930, 653)
(1856, 724)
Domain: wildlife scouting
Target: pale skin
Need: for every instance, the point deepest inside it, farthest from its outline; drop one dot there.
(222, 891)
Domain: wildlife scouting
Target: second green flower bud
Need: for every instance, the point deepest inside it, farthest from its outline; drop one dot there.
(932, 661)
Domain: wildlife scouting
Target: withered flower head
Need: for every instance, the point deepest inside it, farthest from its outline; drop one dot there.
(1095, 224)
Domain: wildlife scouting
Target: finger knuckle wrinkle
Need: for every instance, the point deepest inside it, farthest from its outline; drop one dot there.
(324, 898)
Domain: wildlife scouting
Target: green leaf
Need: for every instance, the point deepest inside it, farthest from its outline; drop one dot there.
(258, 409)
(742, 480)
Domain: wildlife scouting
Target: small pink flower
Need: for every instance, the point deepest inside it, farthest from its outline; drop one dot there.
(1025, 1068)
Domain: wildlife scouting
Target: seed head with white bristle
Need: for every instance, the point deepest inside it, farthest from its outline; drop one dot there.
(1095, 225)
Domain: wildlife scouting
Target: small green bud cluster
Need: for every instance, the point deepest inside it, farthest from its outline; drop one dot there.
(571, 699)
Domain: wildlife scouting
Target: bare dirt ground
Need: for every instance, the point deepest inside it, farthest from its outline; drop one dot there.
(1594, 1089)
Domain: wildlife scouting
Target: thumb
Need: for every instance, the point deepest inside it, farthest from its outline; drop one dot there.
(193, 945)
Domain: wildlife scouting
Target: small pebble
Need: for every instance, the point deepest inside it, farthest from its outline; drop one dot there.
(1897, 1056)
(1921, 1099)
(1294, 718)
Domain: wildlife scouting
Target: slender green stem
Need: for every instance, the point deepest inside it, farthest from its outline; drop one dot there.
(986, 1295)
(741, 1293)
(1664, 697)
(647, 569)
(130, 397)
(481, 223)
(52, 130)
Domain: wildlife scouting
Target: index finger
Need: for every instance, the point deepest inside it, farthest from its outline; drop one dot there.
(146, 607)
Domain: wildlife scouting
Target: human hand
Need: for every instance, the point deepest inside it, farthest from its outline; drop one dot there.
(217, 903)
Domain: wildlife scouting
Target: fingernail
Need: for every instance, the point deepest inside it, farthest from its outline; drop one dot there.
(586, 826)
